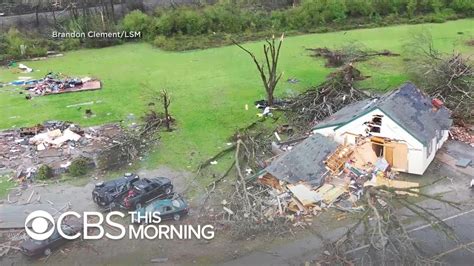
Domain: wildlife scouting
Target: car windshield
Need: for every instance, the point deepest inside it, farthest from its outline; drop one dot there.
(67, 229)
(150, 208)
(176, 203)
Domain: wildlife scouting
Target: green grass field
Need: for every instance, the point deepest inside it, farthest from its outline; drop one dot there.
(209, 87)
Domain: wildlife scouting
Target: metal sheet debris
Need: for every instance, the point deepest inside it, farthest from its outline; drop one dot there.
(304, 194)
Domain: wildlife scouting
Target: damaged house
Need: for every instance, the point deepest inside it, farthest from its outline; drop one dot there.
(405, 127)
(305, 163)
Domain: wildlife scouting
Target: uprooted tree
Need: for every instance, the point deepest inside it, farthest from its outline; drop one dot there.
(267, 69)
(379, 236)
(247, 209)
(350, 53)
(319, 102)
(449, 77)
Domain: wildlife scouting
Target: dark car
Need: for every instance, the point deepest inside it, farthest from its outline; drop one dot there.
(33, 248)
(105, 193)
(144, 190)
(167, 209)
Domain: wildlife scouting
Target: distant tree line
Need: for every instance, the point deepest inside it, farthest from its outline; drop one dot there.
(237, 16)
(250, 17)
(199, 24)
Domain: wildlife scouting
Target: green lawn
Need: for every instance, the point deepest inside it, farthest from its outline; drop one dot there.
(5, 185)
(209, 87)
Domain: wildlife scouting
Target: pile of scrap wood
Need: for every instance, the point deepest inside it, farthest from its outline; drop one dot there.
(463, 134)
(295, 201)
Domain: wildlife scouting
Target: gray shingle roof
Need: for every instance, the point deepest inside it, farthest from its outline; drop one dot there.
(347, 113)
(304, 162)
(407, 106)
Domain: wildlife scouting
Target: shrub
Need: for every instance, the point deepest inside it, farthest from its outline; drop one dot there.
(44, 172)
(463, 6)
(69, 44)
(96, 23)
(137, 21)
(14, 40)
(79, 167)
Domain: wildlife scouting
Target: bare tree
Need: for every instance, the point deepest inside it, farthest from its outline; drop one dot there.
(268, 69)
(112, 11)
(37, 5)
(166, 100)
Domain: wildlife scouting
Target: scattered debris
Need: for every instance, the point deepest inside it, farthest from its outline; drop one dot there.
(53, 143)
(159, 260)
(57, 83)
(80, 104)
(446, 158)
(292, 80)
(24, 68)
(463, 162)
(50, 54)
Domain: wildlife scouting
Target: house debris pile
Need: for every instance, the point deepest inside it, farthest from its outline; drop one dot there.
(57, 83)
(53, 143)
(319, 173)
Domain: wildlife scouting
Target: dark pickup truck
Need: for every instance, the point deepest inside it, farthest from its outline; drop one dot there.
(144, 190)
(105, 193)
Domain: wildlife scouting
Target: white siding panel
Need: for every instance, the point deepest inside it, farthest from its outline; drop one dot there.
(327, 131)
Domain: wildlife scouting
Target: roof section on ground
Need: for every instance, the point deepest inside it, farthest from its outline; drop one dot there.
(305, 162)
(407, 106)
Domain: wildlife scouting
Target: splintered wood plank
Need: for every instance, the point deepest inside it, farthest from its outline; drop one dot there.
(330, 196)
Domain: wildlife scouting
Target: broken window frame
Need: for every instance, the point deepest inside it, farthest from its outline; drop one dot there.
(375, 124)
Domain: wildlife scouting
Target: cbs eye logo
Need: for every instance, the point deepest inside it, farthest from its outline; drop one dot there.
(40, 222)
